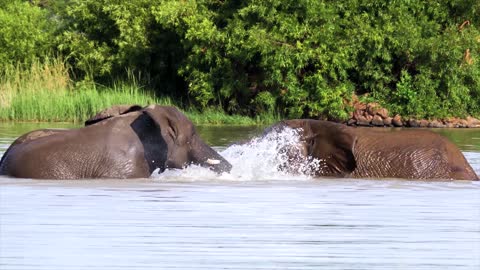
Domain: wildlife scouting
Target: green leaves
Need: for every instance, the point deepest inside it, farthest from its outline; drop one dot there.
(25, 33)
(410, 56)
(299, 58)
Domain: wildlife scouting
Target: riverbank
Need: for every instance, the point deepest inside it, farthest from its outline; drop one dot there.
(77, 105)
(372, 114)
(45, 92)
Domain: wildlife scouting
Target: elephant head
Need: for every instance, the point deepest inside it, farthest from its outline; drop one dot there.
(181, 144)
(332, 145)
(184, 145)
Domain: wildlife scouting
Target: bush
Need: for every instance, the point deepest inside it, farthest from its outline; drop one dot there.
(310, 56)
(26, 33)
(411, 55)
(294, 58)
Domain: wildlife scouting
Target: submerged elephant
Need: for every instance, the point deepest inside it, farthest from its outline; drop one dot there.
(130, 143)
(367, 153)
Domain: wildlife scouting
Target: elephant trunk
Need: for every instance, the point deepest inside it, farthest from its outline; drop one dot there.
(205, 156)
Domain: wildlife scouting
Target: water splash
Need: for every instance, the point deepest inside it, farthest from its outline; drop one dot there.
(274, 156)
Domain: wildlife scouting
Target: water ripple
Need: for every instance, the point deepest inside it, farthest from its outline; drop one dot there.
(193, 219)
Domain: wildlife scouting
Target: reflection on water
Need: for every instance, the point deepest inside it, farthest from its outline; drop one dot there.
(224, 136)
(467, 138)
(194, 220)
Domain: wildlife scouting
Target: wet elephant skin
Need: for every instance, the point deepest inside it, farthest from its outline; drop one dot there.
(129, 144)
(345, 151)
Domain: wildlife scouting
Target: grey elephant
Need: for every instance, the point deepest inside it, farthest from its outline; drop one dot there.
(370, 153)
(130, 142)
(112, 111)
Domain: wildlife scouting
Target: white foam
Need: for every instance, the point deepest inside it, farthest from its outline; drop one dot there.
(260, 159)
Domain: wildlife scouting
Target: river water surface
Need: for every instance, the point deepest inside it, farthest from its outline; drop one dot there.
(253, 218)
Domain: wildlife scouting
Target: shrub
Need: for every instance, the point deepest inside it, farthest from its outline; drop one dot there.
(294, 58)
(26, 33)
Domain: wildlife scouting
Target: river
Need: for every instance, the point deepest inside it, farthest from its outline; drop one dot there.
(253, 218)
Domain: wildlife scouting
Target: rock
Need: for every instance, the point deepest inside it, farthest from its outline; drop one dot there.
(383, 113)
(368, 116)
(461, 123)
(387, 121)
(450, 120)
(377, 121)
(435, 124)
(372, 108)
(360, 106)
(473, 122)
(397, 121)
(413, 123)
(357, 114)
(423, 123)
(363, 121)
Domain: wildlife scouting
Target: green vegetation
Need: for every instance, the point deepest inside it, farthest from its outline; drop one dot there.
(44, 92)
(217, 59)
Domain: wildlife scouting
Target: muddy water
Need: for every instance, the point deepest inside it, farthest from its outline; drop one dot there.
(253, 218)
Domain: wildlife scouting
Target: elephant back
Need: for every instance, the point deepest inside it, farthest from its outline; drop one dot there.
(112, 112)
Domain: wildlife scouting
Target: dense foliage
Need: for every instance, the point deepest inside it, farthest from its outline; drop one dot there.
(299, 58)
(26, 33)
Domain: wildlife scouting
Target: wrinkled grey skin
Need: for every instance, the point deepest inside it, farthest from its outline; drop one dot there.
(371, 153)
(113, 111)
(131, 143)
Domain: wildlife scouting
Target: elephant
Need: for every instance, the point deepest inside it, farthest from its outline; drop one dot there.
(131, 142)
(355, 152)
(112, 111)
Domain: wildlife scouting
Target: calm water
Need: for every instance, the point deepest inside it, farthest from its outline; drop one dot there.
(253, 218)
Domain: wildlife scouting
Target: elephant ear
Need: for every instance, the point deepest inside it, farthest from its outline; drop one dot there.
(174, 125)
(112, 112)
(333, 144)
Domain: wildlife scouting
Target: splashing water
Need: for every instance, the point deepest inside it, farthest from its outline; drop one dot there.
(274, 156)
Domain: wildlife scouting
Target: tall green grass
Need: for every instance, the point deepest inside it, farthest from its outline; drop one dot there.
(44, 92)
(69, 105)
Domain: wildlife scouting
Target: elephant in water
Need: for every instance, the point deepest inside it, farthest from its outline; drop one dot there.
(344, 151)
(119, 142)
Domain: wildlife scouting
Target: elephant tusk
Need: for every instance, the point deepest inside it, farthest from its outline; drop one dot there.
(213, 161)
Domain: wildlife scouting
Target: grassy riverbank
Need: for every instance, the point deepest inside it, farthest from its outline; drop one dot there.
(45, 93)
(77, 105)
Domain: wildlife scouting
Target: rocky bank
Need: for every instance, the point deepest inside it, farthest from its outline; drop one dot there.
(372, 114)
